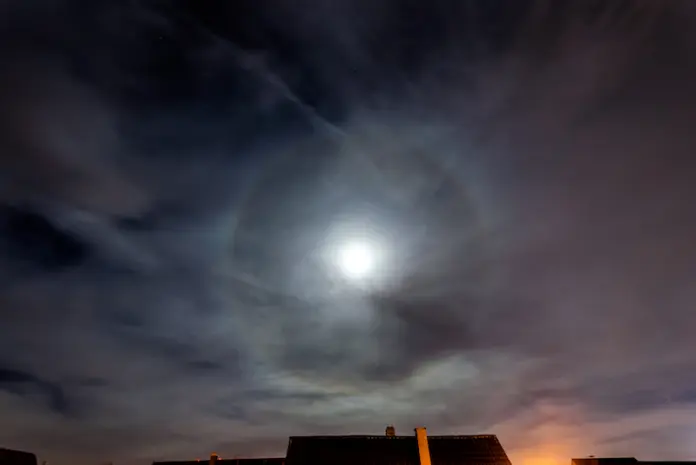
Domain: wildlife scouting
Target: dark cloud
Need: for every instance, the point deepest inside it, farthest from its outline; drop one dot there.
(33, 239)
(174, 176)
(27, 385)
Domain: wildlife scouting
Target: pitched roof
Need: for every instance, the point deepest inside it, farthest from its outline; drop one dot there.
(16, 457)
(470, 450)
(394, 450)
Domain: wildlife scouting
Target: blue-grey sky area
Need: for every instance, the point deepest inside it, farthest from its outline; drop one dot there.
(227, 222)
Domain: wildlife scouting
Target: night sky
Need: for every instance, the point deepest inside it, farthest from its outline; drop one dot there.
(223, 223)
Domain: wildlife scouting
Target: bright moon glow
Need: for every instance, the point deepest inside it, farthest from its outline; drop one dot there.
(356, 260)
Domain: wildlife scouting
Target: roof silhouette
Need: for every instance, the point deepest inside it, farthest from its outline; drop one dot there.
(394, 450)
(16, 457)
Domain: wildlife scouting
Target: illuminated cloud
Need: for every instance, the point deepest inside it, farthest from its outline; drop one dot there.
(220, 229)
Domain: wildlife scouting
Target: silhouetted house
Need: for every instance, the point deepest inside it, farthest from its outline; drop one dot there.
(16, 457)
(623, 461)
(391, 449)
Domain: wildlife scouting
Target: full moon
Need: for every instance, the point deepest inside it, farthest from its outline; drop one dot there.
(356, 260)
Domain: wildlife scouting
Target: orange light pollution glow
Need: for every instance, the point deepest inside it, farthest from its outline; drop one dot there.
(540, 458)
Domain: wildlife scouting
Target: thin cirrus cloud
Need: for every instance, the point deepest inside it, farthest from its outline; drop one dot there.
(167, 194)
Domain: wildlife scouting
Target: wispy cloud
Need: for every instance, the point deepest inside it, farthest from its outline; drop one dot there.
(530, 172)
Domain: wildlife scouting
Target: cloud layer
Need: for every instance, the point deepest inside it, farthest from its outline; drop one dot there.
(172, 174)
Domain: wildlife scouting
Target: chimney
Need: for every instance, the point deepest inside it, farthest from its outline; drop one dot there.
(423, 450)
(391, 431)
(213, 458)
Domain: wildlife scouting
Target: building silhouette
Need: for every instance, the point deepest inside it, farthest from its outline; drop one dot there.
(389, 449)
(16, 457)
(624, 461)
